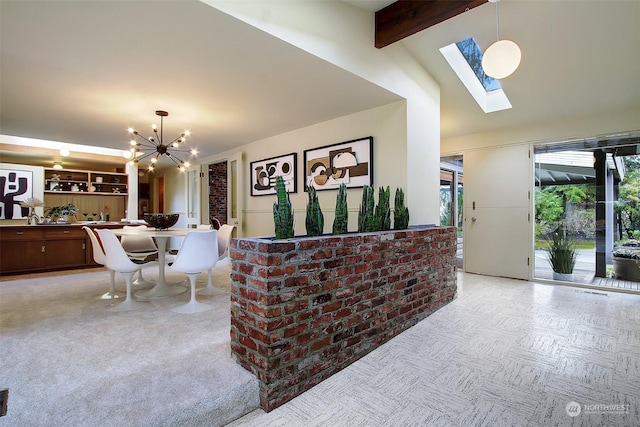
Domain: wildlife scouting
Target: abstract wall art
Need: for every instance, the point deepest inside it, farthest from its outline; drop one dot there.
(264, 173)
(15, 186)
(349, 163)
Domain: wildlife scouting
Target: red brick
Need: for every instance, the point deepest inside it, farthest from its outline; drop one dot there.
(307, 244)
(331, 285)
(345, 271)
(295, 330)
(317, 345)
(355, 259)
(311, 266)
(322, 254)
(249, 294)
(361, 268)
(307, 314)
(306, 338)
(352, 280)
(340, 314)
(248, 342)
(332, 306)
(296, 307)
(322, 320)
(238, 278)
(257, 259)
(347, 292)
(284, 271)
(295, 281)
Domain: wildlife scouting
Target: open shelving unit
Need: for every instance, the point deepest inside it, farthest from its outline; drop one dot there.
(79, 181)
(92, 192)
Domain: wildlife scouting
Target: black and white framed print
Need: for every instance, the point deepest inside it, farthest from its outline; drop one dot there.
(264, 173)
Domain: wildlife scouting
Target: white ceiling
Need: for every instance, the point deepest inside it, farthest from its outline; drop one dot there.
(83, 71)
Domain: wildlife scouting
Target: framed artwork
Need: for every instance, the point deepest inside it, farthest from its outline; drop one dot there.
(349, 162)
(16, 186)
(264, 173)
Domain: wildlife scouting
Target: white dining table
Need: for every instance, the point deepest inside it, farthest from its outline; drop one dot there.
(161, 288)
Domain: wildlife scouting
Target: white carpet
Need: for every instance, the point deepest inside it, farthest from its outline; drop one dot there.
(68, 361)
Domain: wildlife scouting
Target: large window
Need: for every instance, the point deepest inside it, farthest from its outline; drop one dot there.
(586, 204)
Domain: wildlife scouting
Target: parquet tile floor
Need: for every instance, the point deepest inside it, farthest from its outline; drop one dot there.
(504, 353)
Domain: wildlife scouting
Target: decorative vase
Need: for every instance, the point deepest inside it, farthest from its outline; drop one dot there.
(32, 218)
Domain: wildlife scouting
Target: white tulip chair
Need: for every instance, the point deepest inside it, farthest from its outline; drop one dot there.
(198, 253)
(117, 260)
(224, 238)
(138, 247)
(100, 258)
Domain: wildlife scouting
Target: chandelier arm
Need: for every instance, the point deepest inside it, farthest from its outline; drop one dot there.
(153, 144)
(145, 155)
(149, 146)
(173, 159)
(176, 139)
(180, 151)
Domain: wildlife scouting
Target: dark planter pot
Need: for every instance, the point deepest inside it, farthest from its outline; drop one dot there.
(626, 268)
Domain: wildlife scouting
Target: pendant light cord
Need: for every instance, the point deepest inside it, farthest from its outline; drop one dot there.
(497, 21)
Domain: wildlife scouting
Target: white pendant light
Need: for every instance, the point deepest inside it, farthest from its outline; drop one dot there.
(502, 58)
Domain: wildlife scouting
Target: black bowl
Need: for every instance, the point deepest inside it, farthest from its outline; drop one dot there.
(161, 221)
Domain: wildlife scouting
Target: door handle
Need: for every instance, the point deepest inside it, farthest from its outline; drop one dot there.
(473, 219)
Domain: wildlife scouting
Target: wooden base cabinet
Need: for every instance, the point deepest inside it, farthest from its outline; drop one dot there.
(65, 247)
(21, 251)
(41, 248)
(37, 248)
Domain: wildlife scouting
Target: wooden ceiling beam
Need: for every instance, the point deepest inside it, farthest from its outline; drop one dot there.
(406, 17)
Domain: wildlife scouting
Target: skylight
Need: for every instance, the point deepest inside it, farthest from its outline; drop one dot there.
(465, 57)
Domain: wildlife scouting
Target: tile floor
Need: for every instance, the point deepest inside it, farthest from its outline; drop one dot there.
(504, 353)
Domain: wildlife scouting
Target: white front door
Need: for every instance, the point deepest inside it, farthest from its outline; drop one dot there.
(497, 223)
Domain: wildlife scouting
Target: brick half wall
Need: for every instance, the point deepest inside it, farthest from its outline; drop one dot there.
(303, 309)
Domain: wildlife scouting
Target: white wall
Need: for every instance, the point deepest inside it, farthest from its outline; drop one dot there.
(387, 126)
(343, 35)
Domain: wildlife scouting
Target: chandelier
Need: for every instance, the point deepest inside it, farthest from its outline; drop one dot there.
(155, 147)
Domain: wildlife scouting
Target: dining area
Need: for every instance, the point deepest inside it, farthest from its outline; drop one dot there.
(132, 249)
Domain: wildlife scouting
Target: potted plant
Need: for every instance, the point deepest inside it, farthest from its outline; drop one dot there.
(626, 260)
(61, 213)
(562, 254)
(282, 211)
